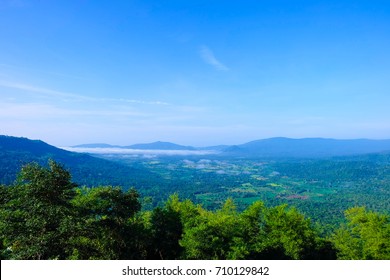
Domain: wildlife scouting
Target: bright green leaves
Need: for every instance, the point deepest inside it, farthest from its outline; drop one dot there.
(107, 215)
(288, 233)
(366, 236)
(37, 215)
(44, 216)
(210, 235)
(258, 232)
(47, 185)
(107, 203)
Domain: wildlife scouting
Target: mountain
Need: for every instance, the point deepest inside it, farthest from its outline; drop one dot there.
(96, 145)
(307, 147)
(145, 146)
(159, 146)
(85, 169)
(214, 148)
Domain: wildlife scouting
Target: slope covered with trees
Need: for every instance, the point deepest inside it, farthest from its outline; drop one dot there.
(44, 215)
(86, 170)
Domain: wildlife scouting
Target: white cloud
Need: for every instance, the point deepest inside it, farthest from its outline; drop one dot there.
(208, 57)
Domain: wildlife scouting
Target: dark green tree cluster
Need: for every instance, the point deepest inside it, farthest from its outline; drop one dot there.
(45, 216)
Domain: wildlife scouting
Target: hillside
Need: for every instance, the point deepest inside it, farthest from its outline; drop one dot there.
(87, 170)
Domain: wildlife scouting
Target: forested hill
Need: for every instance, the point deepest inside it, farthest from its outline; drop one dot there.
(15, 152)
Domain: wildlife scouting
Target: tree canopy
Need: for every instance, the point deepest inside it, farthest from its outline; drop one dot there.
(46, 216)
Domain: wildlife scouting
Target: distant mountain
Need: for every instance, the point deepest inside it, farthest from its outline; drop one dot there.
(145, 146)
(96, 145)
(85, 169)
(308, 147)
(159, 146)
(233, 149)
(214, 148)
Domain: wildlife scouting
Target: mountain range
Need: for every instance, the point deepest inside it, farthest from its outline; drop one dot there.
(274, 147)
(87, 169)
(91, 171)
(159, 145)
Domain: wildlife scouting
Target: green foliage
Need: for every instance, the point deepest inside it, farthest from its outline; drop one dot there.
(210, 235)
(46, 216)
(366, 236)
(37, 218)
(3, 195)
(108, 214)
(322, 189)
(256, 233)
(166, 231)
(288, 234)
(3, 200)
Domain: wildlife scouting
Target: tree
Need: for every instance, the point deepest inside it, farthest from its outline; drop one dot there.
(365, 236)
(257, 233)
(211, 235)
(275, 233)
(251, 227)
(109, 230)
(166, 231)
(3, 200)
(38, 216)
(288, 234)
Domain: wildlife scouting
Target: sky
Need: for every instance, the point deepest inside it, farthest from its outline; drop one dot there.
(195, 73)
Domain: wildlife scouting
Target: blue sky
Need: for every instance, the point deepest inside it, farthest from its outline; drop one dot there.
(194, 72)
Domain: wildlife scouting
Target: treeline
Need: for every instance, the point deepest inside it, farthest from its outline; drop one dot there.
(46, 216)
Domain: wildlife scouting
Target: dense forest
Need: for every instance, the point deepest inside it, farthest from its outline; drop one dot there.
(44, 215)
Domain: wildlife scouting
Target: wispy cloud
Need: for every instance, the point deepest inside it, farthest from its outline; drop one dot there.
(208, 57)
(73, 97)
(136, 101)
(44, 91)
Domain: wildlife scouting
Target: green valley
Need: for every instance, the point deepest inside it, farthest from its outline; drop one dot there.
(321, 188)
